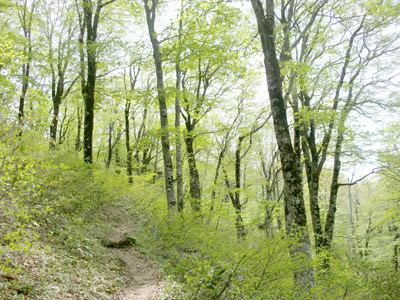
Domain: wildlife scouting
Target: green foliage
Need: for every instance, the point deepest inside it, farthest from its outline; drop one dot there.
(50, 223)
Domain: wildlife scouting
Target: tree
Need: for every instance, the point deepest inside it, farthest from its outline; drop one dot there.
(165, 145)
(59, 28)
(89, 23)
(209, 67)
(133, 75)
(235, 197)
(25, 14)
(295, 214)
(349, 84)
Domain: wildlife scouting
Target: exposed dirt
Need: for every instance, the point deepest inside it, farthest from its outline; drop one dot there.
(144, 279)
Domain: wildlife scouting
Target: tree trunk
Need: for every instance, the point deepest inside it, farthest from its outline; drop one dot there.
(295, 214)
(91, 21)
(168, 168)
(330, 217)
(133, 75)
(179, 175)
(241, 233)
(240, 230)
(313, 189)
(54, 124)
(79, 128)
(24, 89)
(89, 102)
(194, 187)
(90, 84)
(110, 146)
(26, 17)
(395, 258)
(216, 176)
(127, 141)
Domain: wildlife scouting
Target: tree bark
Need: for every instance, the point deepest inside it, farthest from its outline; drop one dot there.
(132, 83)
(91, 20)
(330, 217)
(168, 168)
(395, 258)
(296, 220)
(127, 140)
(25, 17)
(194, 185)
(110, 146)
(79, 128)
(179, 175)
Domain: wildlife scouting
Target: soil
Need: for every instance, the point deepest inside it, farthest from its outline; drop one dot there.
(144, 280)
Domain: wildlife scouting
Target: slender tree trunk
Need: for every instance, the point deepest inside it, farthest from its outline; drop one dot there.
(240, 229)
(194, 187)
(110, 146)
(313, 189)
(168, 168)
(221, 155)
(90, 84)
(179, 175)
(241, 232)
(24, 89)
(295, 214)
(91, 20)
(54, 124)
(82, 74)
(330, 217)
(89, 103)
(178, 72)
(127, 141)
(132, 82)
(395, 258)
(26, 17)
(79, 128)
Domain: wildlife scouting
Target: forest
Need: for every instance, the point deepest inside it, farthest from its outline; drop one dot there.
(199, 149)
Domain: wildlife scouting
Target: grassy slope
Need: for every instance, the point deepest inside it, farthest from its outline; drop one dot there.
(55, 211)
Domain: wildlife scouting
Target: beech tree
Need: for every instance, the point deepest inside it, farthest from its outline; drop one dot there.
(209, 68)
(150, 9)
(59, 29)
(89, 22)
(26, 11)
(295, 214)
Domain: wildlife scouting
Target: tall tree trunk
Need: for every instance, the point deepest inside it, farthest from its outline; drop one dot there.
(89, 101)
(241, 232)
(54, 123)
(25, 17)
(313, 189)
(127, 141)
(330, 217)
(110, 146)
(295, 214)
(240, 229)
(194, 185)
(179, 175)
(221, 155)
(133, 75)
(91, 20)
(24, 89)
(168, 168)
(79, 128)
(395, 258)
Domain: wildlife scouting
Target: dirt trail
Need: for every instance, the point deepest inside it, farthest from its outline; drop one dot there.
(144, 280)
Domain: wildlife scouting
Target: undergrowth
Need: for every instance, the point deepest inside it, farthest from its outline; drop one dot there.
(51, 224)
(55, 211)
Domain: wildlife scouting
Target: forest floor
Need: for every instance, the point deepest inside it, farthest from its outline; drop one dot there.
(144, 281)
